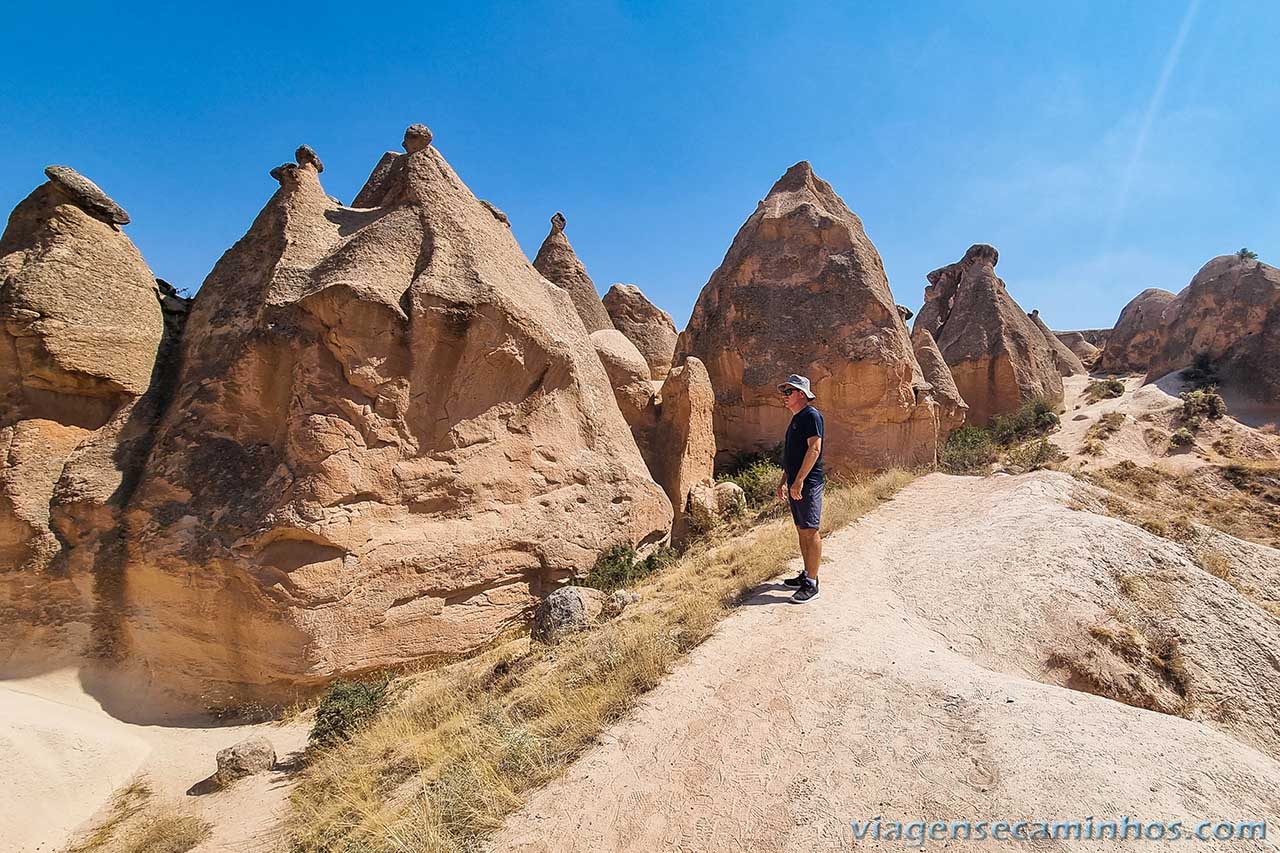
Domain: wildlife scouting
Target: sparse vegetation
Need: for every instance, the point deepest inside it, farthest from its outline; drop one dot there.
(1096, 436)
(969, 450)
(1182, 437)
(620, 567)
(1245, 254)
(758, 474)
(463, 744)
(1031, 456)
(1103, 389)
(1202, 403)
(1242, 499)
(1034, 418)
(344, 708)
(134, 824)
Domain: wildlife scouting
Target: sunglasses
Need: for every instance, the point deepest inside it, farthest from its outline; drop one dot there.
(787, 392)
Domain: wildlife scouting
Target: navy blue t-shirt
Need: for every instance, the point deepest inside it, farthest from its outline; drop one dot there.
(805, 424)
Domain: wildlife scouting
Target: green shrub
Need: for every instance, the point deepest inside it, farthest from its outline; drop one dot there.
(619, 567)
(345, 707)
(1246, 254)
(758, 475)
(1203, 403)
(1182, 437)
(969, 450)
(1104, 389)
(1034, 417)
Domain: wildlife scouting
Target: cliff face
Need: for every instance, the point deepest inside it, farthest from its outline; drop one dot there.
(802, 290)
(1138, 334)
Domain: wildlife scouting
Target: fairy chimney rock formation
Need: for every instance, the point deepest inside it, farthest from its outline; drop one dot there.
(1079, 344)
(1067, 362)
(1138, 335)
(389, 437)
(952, 407)
(80, 327)
(803, 262)
(998, 355)
(1229, 314)
(559, 263)
(647, 326)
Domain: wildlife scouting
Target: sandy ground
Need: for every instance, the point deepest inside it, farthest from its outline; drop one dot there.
(914, 688)
(62, 756)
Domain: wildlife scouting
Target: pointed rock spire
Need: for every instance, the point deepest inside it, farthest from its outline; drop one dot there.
(559, 263)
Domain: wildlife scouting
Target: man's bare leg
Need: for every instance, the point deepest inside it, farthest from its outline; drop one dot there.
(810, 551)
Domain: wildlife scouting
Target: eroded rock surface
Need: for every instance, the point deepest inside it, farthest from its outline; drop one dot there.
(998, 356)
(559, 263)
(1230, 312)
(952, 408)
(647, 326)
(1067, 362)
(1138, 335)
(802, 290)
(81, 326)
(390, 436)
(1080, 345)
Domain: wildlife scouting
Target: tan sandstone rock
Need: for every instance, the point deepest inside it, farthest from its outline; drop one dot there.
(81, 324)
(1138, 334)
(678, 441)
(998, 356)
(1080, 345)
(647, 326)
(559, 263)
(390, 436)
(803, 261)
(1067, 362)
(628, 374)
(1229, 312)
(952, 408)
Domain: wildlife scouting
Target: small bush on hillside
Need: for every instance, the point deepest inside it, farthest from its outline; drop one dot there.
(345, 707)
(620, 567)
(758, 474)
(969, 450)
(1204, 403)
(1246, 254)
(1104, 389)
(1035, 417)
(1182, 437)
(1031, 456)
(1202, 374)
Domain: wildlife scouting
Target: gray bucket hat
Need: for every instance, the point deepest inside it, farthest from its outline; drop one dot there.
(800, 383)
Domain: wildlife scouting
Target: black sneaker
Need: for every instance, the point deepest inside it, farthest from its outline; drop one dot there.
(808, 590)
(795, 581)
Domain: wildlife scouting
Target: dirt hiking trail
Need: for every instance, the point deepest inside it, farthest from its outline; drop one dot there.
(917, 687)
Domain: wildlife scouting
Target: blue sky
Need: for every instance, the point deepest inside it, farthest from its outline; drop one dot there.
(1102, 147)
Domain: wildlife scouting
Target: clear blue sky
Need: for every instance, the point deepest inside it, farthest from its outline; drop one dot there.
(1102, 147)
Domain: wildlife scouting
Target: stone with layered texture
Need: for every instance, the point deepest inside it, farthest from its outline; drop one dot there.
(802, 290)
(1138, 335)
(559, 263)
(1067, 362)
(1230, 312)
(390, 436)
(628, 374)
(81, 326)
(647, 326)
(952, 408)
(1080, 346)
(998, 356)
(678, 440)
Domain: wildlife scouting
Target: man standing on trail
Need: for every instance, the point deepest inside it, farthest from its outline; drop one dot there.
(802, 480)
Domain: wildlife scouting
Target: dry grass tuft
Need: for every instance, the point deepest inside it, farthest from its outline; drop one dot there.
(142, 826)
(1242, 498)
(463, 746)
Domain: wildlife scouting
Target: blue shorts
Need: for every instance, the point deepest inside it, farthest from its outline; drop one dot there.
(807, 512)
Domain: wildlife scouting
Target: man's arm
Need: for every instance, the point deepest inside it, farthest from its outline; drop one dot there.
(782, 487)
(810, 459)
